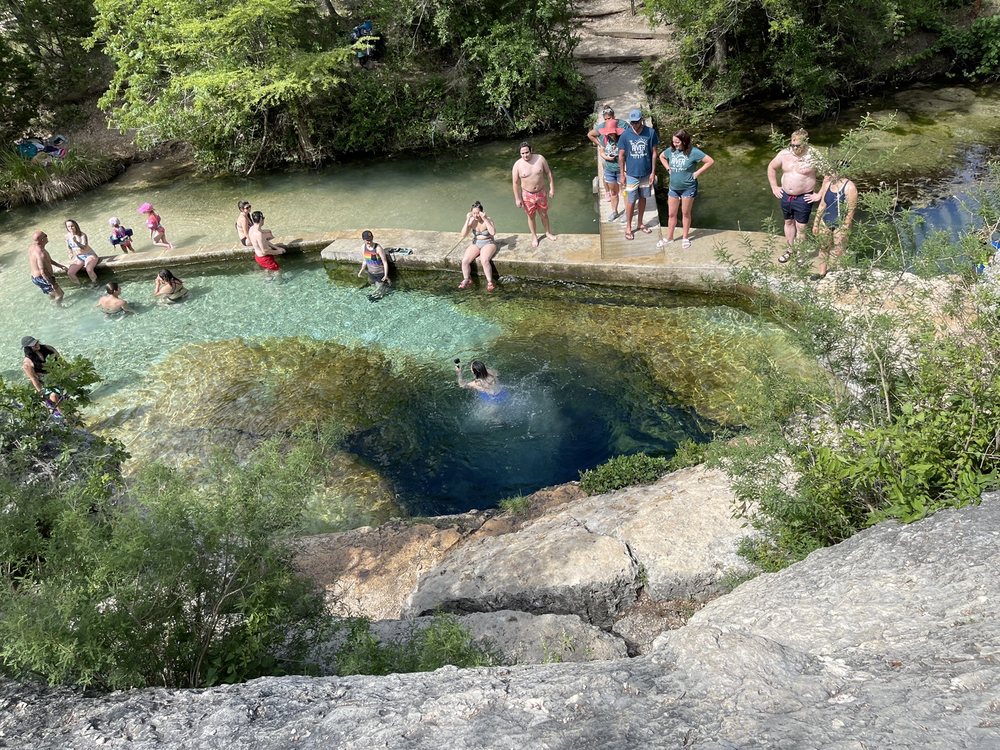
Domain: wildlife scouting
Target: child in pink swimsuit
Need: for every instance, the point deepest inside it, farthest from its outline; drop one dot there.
(157, 233)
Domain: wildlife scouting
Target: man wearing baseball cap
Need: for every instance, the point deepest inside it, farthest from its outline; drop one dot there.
(636, 158)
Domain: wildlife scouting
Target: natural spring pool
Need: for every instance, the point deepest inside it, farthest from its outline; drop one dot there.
(593, 372)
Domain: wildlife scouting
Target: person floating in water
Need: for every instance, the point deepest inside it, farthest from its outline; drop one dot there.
(375, 262)
(485, 381)
(112, 302)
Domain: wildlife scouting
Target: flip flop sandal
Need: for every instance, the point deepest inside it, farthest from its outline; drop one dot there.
(785, 256)
(644, 229)
(663, 243)
(629, 235)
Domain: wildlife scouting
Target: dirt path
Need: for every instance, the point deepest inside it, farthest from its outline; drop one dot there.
(613, 44)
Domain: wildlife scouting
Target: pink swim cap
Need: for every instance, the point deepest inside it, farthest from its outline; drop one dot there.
(145, 208)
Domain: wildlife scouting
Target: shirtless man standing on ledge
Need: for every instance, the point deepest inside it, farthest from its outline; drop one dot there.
(529, 175)
(798, 165)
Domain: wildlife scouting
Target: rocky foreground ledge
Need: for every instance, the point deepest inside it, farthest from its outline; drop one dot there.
(888, 640)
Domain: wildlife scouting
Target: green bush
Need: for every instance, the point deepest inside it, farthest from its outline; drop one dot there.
(623, 471)
(443, 642)
(905, 423)
(23, 181)
(178, 581)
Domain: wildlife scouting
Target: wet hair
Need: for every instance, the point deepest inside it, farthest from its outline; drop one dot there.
(367, 236)
(167, 276)
(524, 144)
(243, 204)
(477, 204)
(76, 227)
(479, 370)
(256, 217)
(113, 287)
(685, 138)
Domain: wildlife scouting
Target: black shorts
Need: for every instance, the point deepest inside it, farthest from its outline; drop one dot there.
(795, 207)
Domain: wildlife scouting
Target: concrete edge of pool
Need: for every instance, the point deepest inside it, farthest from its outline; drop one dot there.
(575, 257)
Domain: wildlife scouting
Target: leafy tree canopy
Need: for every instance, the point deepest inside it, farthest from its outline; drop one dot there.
(234, 78)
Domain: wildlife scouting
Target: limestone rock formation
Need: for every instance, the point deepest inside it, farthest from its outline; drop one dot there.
(676, 538)
(889, 639)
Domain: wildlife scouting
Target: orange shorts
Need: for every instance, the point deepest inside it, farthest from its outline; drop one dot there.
(534, 202)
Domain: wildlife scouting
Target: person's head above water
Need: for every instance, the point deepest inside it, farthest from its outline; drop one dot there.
(257, 217)
(112, 288)
(39, 237)
(166, 275)
(479, 370)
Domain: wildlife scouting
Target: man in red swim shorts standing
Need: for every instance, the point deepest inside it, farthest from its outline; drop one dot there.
(529, 175)
(263, 248)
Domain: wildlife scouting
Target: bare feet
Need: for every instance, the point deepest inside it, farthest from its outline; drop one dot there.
(534, 241)
(551, 236)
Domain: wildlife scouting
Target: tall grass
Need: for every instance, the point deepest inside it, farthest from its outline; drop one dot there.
(23, 182)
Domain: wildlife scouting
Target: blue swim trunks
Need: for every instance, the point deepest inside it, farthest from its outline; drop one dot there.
(500, 397)
(42, 284)
(794, 207)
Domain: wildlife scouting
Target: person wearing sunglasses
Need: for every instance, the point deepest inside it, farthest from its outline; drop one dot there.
(796, 194)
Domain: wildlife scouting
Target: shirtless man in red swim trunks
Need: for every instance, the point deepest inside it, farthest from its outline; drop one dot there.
(529, 175)
(263, 248)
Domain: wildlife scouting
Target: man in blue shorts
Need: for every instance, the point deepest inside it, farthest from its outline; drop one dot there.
(41, 267)
(636, 157)
(798, 165)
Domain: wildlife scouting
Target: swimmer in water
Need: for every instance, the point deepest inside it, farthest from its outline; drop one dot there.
(484, 380)
(112, 302)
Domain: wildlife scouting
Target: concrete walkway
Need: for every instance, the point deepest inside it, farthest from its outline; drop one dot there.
(575, 257)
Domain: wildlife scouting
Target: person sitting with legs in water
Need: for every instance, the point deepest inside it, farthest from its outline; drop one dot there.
(81, 255)
(484, 246)
(169, 288)
(112, 302)
(839, 198)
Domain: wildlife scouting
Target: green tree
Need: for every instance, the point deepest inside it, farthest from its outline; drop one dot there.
(813, 53)
(44, 62)
(235, 79)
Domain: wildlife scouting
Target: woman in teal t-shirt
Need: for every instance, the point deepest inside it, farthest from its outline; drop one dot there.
(681, 161)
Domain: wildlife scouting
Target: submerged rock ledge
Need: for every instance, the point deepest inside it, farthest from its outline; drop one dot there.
(889, 639)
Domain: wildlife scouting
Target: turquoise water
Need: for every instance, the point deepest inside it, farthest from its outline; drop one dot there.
(243, 358)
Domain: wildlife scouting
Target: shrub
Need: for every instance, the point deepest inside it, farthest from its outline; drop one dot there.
(23, 181)
(443, 642)
(623, 471)
(181, 582)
